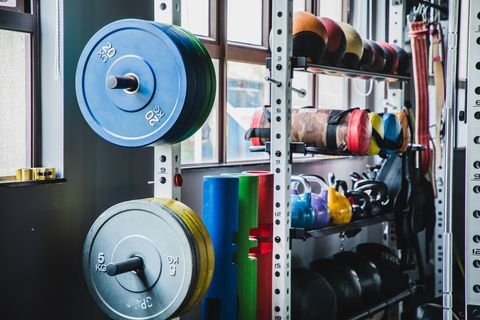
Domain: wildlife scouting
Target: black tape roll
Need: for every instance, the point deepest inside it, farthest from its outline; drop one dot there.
(344, 281)
(368, 274)
(306, 288)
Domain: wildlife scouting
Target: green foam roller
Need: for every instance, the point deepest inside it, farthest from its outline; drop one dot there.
(247, 265)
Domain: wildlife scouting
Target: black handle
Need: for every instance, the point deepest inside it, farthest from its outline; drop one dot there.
(132, 264)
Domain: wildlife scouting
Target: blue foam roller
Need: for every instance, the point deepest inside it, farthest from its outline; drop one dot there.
(220, 215)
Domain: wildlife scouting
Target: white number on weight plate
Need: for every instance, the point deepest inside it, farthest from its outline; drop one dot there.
(154, 116)
(106, 52)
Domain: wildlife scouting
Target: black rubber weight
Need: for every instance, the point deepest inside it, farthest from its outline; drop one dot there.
(307, 287)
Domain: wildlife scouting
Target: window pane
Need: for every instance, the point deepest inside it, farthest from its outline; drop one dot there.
(8, 3)
(331, 92)
(203, 145)
(245, 21)
(298, 5)
(14, 101)
(302, 81)
(196, 16)
(246, 91)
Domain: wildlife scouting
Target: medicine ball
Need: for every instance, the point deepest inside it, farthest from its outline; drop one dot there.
(309, 36)
(307, 287)
(344, 281)
(387, 262)
(336, 44)
(391, 58)
(368, 274)
(368, 57)
(403, 60)
(354, 48)
(379, 62)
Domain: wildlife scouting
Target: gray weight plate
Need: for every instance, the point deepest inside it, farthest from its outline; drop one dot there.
(151, 231)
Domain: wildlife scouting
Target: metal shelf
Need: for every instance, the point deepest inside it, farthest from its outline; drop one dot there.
(367, 314)
(300, 233)
(301, 64)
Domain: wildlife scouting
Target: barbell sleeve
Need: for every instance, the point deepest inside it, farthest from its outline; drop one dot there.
(122, 82)
(132, 264)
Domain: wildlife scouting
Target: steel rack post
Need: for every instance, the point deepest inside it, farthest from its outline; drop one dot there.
(472, 168)
(450, 134)
(280, 159)
(396, 26)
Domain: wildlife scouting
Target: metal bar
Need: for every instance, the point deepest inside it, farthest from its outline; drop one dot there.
(472, 167)
(280, 160)
(450, 129)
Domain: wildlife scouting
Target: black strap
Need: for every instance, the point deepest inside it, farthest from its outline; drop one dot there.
(334, 120)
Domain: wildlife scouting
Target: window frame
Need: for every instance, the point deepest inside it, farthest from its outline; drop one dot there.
(223, 50)
(25, 18)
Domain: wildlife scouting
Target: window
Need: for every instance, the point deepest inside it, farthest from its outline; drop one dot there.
(18, 93)
(239, 49)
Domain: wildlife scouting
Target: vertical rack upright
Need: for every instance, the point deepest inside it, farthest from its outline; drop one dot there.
(280, 159)
(167, 158)
(472, 168)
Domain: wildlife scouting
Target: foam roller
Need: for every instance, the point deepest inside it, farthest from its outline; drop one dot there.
(263, 252)
(333, 131)
(220, 215)
(247, 264)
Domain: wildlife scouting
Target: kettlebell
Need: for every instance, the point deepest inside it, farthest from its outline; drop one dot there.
(377, 192)
(359, 200)
(321, 216)
(302, 212)
(338, 204)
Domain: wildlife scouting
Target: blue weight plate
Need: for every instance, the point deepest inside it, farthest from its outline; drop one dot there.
(186, 124)
(140, 118)
(208, 62)
(209, 72)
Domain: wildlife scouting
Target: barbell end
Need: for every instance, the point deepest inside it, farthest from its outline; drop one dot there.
(131, 264)
(127, 82)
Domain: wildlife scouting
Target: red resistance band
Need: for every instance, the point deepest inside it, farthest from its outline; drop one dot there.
(418, 36)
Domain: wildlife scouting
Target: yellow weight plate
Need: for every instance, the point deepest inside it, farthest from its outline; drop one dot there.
(24, 174)
(40, 174)
(205, 249)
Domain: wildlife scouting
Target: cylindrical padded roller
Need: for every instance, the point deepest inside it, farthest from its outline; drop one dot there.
(309, 36)
(337, 43)
(263, 252)
(220, 215)
(247, 267)
(354, 48)
(307, 287)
